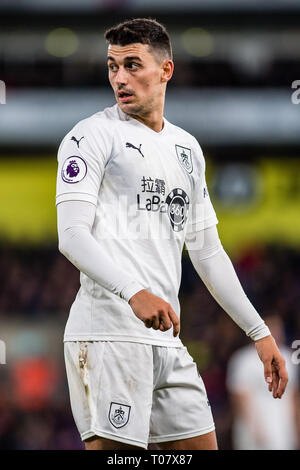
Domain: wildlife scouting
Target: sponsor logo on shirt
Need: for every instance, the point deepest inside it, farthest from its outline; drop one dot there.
(119, 414)
(184, 156)
(74, 169)
(176, 204)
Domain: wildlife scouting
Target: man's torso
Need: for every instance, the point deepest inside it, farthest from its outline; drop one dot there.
(146, 184)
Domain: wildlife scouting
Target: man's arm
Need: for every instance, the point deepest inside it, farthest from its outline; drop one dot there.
(217, 272)
(75, 220)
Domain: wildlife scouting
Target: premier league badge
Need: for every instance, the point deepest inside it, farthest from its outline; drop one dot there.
(119, 414)
(184, 156)
(74, 169)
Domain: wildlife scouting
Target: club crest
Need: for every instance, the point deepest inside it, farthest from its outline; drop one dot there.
(184, 156)
(119, 414)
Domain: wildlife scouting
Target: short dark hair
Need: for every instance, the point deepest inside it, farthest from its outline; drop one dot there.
(141, 30)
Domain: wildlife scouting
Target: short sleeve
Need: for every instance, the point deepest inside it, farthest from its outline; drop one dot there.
(201, 213)
(82, 156)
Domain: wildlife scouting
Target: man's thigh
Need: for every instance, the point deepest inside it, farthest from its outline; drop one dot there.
(100, 443)
(205, 442)
(110, 387)
(180, 411)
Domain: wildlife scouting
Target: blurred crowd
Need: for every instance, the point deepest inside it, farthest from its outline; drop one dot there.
(40, 284)
(237, 50)
(191, 72)
(270, 276)
(36, 282)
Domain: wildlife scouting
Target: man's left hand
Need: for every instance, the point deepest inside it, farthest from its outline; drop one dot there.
(274, 365)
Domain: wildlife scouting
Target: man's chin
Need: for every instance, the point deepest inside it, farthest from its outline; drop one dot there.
(129, 108)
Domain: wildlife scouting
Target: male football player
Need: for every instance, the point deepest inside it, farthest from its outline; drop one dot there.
(130, 192)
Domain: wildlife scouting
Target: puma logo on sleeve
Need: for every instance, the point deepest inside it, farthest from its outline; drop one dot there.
(77, 141)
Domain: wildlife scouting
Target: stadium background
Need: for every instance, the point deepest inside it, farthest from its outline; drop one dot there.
(235, 63)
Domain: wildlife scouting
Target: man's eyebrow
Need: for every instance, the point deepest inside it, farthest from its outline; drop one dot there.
(134, 57)
(128, 58)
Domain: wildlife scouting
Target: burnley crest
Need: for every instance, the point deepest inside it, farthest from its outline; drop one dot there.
(184, 156)
(119, 414)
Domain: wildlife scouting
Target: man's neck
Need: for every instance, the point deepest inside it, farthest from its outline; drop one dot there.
(154, 118)
(156, 124)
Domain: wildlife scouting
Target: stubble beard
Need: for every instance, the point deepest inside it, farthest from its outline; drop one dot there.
(130, 109)
(140, 110)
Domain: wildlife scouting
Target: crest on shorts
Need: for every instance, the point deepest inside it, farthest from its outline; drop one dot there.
(184, 156)
(119, 414)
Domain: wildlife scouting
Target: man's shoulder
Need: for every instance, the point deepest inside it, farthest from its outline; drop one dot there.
(103, 120)
(190, 143)
(97, 130)
(174, 129)
(185, 136)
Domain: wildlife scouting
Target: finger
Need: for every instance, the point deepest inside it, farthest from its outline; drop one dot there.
(268, 374)
(174, 319)
(270, 386)
(148, 323)
(155, 323)
(165, 322)
(283, 380)
(275, 383)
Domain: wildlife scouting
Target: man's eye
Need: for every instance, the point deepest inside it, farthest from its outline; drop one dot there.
(132, 65)
(112, 67)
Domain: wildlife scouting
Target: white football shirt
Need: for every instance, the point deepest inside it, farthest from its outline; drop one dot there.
(149, 191)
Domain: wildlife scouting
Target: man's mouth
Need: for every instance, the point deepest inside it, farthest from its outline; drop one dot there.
(123, 96)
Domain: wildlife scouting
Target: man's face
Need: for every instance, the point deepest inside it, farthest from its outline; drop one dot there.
(136, 77)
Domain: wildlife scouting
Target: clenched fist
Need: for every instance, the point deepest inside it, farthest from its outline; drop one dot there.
(154, 312)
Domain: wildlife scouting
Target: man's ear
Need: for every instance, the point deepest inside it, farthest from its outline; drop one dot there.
(167, 68)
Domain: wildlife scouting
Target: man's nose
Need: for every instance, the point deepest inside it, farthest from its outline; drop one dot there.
(121, 76)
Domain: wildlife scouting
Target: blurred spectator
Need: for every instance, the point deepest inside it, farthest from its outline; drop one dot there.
(34, 381)
(261, 422)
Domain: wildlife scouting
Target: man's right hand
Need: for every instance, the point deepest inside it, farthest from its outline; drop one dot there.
(154, 312)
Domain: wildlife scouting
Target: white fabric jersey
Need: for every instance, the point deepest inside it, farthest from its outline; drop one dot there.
(149, 191)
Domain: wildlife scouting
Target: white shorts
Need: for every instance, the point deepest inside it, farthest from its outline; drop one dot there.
(136, 393)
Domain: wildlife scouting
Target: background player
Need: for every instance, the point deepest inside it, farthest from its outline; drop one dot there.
(258, 422)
